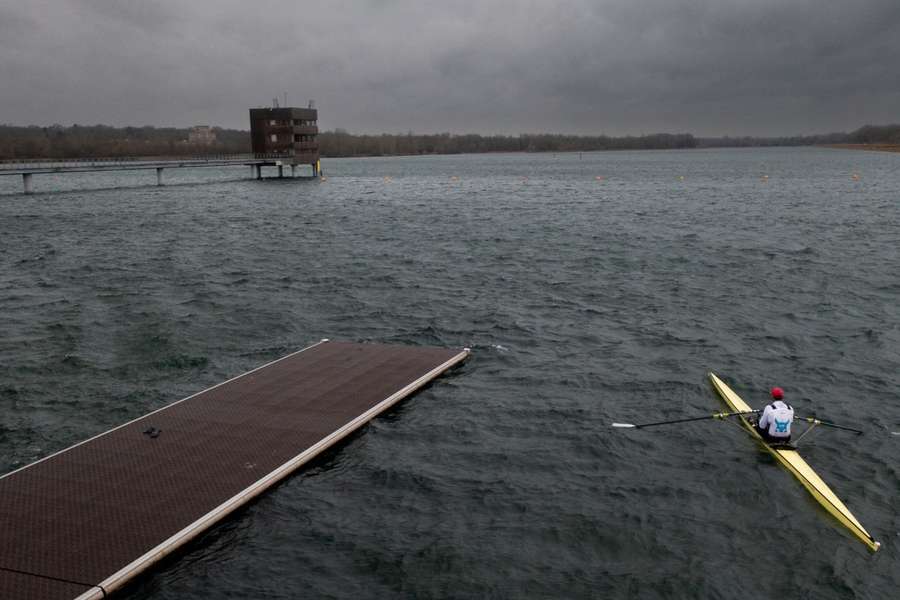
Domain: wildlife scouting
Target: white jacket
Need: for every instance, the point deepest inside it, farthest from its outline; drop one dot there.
(777, 418)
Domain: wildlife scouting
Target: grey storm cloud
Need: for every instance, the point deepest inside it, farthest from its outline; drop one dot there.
(711, 67)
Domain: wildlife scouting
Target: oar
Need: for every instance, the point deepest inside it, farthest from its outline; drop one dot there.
(816, 421)
(713, 416)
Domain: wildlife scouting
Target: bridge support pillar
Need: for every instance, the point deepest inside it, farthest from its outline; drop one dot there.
(28, 183)
(159, 176)
(259, 171)
(293, 171)
(280, 171)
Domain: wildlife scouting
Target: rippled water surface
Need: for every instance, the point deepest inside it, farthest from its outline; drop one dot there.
(592, 288)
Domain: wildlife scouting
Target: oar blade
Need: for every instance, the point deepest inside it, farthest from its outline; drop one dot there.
(627, 425)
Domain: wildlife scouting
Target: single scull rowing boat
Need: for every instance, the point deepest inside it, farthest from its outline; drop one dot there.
(793, 462)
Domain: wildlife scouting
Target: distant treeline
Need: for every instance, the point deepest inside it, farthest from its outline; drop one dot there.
(79, 141)
(870, 134)
(341, 143)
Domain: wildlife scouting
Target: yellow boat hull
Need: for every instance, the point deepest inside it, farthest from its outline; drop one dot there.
(799, 468)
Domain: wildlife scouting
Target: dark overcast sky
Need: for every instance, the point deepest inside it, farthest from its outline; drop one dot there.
(711, 67)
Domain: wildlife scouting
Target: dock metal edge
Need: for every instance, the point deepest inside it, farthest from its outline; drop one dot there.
(121, 577)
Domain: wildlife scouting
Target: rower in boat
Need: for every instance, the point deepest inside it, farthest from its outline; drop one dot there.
(774, 425)
(785, 453)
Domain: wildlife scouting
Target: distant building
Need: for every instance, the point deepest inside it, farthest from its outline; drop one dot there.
(289, 132)
(202, 135)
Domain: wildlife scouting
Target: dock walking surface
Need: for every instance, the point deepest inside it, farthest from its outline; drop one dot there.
(83, 522)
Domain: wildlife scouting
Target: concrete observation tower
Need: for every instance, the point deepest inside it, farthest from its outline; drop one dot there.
(287, 133)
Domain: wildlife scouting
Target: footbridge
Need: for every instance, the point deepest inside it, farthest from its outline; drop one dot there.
(28, 168)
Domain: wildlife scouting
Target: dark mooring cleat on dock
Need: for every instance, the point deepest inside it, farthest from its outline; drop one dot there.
(83, 522)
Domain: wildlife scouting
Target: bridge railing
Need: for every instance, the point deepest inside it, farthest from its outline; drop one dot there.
(45, 163)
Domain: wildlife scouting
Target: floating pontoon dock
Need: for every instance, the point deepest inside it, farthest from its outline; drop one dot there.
(83, 522)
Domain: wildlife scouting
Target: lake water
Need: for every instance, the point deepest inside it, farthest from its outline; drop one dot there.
(592, 288)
